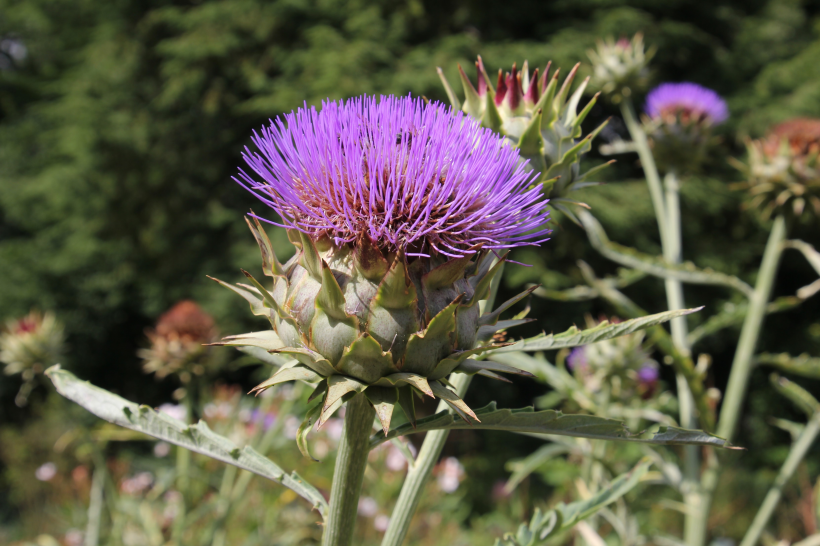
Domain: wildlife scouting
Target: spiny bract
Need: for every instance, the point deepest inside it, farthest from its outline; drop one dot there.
(539, 119)
(395, 208)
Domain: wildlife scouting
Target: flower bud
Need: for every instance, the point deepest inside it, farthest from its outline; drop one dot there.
(620, 68)
(178, 342)
(782, 173)
(32, 343)
(28, 346)
(538, 117)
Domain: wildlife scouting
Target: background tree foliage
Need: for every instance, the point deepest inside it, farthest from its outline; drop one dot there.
(122, 126)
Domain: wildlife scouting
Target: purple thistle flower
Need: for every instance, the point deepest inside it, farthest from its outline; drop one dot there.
(410, 176)
(690, 101)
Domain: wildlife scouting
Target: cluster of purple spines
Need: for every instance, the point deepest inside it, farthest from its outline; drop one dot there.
(686, 97)
(411, 176)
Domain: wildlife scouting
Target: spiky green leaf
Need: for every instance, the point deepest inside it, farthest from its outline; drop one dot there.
(529, 421)
(603, 331)
(804, 365)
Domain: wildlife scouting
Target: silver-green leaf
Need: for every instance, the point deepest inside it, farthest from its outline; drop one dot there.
(198, 438)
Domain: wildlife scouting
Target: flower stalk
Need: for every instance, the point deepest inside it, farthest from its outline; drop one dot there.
(742, 363)
(419, 473)
(667, 211)
(351, 461)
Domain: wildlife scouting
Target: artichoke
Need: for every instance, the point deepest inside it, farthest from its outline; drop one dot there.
(539, 119)
(397, 210)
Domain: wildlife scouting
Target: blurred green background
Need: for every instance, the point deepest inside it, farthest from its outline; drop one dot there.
(122, 122)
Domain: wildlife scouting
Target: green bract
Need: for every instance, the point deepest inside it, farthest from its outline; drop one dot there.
(354, 320)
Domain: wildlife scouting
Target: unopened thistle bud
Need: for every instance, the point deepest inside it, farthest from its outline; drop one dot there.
(29, 345)
(178, 342)
(783, 173)
(396, 208)
(678, 122)
(537, 117)
(620, 68)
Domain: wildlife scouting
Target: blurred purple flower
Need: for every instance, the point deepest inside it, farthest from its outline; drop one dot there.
(410, 176)
(648, 374)
(268, 419)
(690, 101)
(577, 359)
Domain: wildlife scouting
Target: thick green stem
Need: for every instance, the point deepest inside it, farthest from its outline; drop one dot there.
(742, 363)
(653, 180)
(667, 212)
(797, 453)
(419, 473)
(351, 461)
(672, 253)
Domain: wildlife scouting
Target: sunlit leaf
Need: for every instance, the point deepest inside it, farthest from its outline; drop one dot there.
(198, 438)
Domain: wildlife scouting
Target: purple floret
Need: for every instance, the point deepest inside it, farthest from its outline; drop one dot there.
(648, 374)
(410, 176)
(688, 99)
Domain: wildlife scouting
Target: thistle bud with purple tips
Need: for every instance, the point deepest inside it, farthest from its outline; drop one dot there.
(678, 122)
(783, 170)
(620, 68)
(28, 346)
(396, 208)
(538, 117)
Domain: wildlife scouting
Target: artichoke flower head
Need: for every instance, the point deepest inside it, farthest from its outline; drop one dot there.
(678, 122)
(398, 210)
